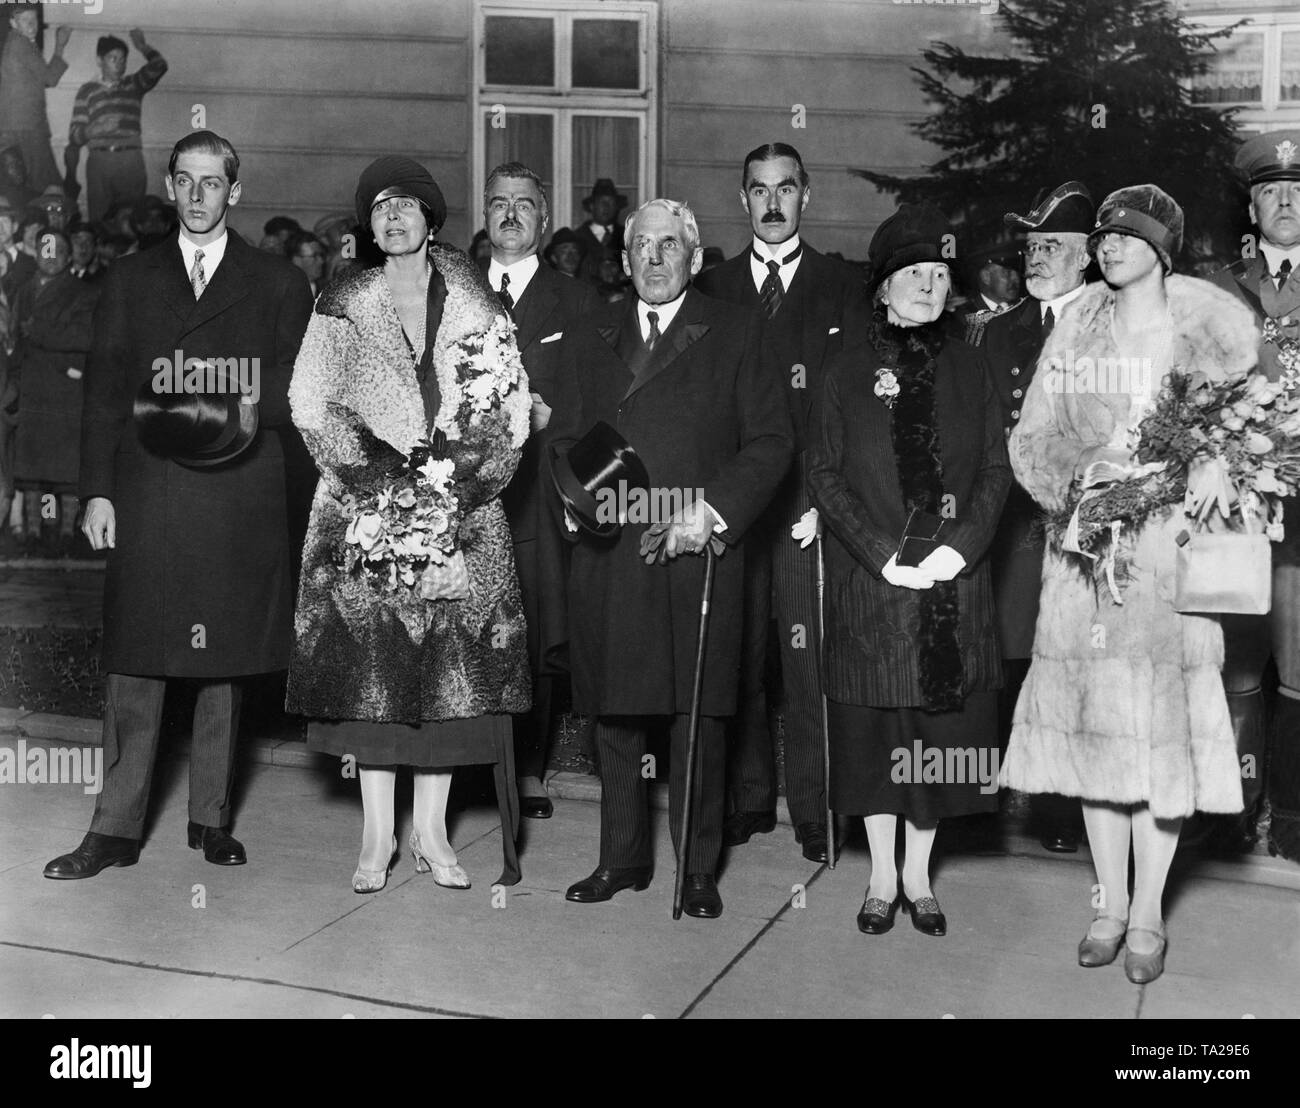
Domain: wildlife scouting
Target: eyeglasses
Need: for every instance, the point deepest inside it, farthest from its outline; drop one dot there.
(1046, 249)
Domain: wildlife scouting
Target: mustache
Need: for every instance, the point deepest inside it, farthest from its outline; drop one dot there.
(773, 217)
(508, 222)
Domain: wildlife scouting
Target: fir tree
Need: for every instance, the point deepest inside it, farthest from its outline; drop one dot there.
(1093, 90)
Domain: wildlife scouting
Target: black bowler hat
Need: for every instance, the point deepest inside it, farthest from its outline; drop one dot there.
(1067, 209)
(605, 187)
(601, 459)
(197, 429)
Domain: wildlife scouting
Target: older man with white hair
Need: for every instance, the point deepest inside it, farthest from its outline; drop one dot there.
(684, 380)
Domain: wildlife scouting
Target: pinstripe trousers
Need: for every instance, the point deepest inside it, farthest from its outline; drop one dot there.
(624, 814)
(784, 585)
(132, 722)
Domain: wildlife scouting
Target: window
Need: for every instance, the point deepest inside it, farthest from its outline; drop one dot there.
(569, 89)
(1256, 70)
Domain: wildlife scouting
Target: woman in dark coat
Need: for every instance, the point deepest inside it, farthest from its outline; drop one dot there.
(909, 428)
(422, 672)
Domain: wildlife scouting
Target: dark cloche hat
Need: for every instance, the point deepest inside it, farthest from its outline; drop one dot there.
(1146, 212)
(1066, 209)
(914, 233)
(395, 175)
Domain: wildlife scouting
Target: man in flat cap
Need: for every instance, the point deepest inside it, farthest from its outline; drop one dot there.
(1268, 282)
(106, 120)
(1056, 259)
(198, 583)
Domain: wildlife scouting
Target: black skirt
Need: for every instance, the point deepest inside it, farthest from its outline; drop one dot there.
(923, 765)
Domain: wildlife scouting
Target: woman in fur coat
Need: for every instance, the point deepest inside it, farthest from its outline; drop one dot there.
(396, 668)
(1124, 706)
(910, 430)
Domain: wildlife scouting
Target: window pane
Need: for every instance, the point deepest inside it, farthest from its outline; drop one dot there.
(520, 50)
(606, 53)
(526, 138)
(605, 146)
(1236, 73)
(1291, 65)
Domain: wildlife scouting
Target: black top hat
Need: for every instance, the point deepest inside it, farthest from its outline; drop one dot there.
(1066, 209)
(601, 459)
(197, 429)
(605, 187)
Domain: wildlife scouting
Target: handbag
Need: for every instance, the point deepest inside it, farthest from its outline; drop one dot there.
(1224, 573)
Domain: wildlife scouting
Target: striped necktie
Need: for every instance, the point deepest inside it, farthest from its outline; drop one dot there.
(772, 293)
(507, 301)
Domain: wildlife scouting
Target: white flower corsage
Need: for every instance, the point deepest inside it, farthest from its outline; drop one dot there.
(887, 386)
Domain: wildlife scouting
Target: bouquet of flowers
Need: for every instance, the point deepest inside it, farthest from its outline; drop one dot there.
(409, 524)
(488, 367)
(1212, 446)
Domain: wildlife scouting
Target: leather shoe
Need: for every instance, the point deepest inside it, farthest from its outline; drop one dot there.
(700, 897)
(605, 882)
(1144, 968)
(739, 826)
(876, 916)
(926, 916)
(1101, 952)
(813, 837)
(219, 846)
(536, 807)
(95, 853)
(1060, 840)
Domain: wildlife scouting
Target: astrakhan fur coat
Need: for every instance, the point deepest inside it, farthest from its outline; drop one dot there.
(1123, 703)
(362, 650)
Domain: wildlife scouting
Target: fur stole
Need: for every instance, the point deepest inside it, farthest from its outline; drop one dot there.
(912, 353)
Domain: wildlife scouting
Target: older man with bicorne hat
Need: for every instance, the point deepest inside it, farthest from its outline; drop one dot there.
(1056, 259)
(1267, 281)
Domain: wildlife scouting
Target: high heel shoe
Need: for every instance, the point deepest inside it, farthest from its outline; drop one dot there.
(372, 880)
(926, 915)
(876, 916)
(1142, 969)
(1100, 952)
(449, 877)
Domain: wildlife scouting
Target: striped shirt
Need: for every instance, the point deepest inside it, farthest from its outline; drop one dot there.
(109, 115)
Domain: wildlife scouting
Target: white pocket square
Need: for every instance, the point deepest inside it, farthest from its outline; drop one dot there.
(833, 331)
(552, 338)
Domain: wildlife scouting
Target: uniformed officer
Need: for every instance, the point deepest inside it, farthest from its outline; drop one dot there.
(1267, 280)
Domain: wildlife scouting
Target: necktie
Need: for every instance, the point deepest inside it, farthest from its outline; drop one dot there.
(1049, 321)
(1283, 272)
(771, 294)
(197, 281)
(653, 337)
(507, 301)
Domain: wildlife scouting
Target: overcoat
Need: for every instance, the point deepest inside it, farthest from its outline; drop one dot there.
(53, 325)
(872, 653)
(364, 651)
(1123, 703)
(549, 304)
(198, 584)
(708, 419)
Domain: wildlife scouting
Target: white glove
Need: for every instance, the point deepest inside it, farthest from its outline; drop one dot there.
(808, 528)
(905, 577)
(570, 524)
(942, 564)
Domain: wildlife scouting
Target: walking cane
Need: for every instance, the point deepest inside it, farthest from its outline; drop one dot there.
(693, 733)
(821, 682)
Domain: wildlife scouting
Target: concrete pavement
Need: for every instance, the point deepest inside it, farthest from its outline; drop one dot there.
(286, 937)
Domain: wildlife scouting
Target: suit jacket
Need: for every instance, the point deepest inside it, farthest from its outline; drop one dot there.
(549, 305)
(1250, 283)
(872, 642)
(1011, 344)
(598, 251)
(198, 584)
(824, 311)
(703, 416)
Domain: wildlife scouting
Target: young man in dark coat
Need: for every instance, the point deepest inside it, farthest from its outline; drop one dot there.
(542, 303)
(198, 568)
(680, 377)
(1056, 260)
(814, 307)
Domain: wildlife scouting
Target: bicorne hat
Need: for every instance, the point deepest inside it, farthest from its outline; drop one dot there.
(601, 460)
(1066, 209)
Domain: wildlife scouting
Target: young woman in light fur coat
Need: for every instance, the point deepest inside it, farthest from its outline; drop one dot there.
(1124, 705)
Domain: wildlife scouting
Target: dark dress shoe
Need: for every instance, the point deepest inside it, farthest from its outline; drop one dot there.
(926, 916)
(1060, 840)
(739, 826)
(813, 837)
(219, 846)
(605, 882)
(876, 916)
(95, 853)
(536, 807)
(700, 897)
